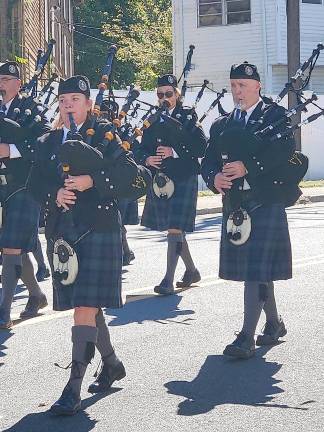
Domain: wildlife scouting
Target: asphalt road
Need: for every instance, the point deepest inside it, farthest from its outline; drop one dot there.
(177, 378)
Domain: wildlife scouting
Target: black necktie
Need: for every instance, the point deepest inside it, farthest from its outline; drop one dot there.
(241, 119)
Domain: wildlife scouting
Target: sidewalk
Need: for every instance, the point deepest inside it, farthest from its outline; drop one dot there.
(213, 203)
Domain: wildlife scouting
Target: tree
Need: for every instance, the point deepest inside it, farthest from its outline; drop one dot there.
(141, 30)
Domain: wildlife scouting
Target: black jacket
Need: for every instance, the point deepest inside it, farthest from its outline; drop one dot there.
(188, 141)
(96, 207)
(260, 157)
(18, 169)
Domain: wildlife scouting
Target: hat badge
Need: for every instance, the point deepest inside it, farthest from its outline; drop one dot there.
(82, 85)
(170, 79)
(248, 70)
(12, 69)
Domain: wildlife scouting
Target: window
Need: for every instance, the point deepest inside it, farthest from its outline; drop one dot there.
(223, 12)
(312, 1)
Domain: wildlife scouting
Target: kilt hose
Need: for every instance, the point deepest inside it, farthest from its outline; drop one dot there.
(178, 212)
(20, 221)
(266, 256)
(128, 211)
(98, 282)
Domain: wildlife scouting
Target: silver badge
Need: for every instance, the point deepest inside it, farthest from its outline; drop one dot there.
(53, 157)
(248, 70)
(82, 85)
(170, 79)
(12, 69)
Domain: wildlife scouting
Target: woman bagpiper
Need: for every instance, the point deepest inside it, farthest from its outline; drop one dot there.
(94, 234)
(172, 146)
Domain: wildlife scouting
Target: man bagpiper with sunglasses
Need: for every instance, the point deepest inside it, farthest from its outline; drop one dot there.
(171, 148)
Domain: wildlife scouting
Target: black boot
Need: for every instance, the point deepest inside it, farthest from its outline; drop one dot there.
(84, 339)
(33, 305)
(108, 374)
(69, 403)
(189, 278)
(243, 347)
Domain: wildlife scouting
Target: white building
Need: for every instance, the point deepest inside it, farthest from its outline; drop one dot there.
(231, 31)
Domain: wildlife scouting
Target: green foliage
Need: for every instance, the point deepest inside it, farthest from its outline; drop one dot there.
(142, 31)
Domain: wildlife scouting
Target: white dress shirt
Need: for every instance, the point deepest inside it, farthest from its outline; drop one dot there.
(67, 130)
(14, 153)
(249, 111)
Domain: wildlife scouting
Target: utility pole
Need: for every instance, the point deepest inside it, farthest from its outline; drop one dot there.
(293, 54)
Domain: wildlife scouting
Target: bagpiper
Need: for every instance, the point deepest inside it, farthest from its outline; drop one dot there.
(255, 244)
(20, 212)
(171, 151)
(83, 234)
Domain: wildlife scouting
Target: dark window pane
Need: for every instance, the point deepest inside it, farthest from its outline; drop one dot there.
(312, 1)
(201, 2)
(238, 18)
(210, 20)
(210, 9)
(238, 5)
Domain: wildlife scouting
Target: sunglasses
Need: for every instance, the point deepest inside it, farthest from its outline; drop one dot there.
(167, 94)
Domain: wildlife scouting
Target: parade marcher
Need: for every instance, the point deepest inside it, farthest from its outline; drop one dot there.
(94, 234)
(128, 209)
(20, 212)
(169, 148)
(261, 252)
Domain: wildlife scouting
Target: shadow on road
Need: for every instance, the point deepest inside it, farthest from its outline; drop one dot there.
(43, 421)
(4, 335)
(223, 381)
(163, 310)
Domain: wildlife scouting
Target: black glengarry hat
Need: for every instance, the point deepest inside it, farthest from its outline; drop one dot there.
(75, 84)
(245, 70)
(10, 68)
(167, 80)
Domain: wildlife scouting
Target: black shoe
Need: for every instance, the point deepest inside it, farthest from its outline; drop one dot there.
(165, 288)
(107, 376)
(42, 273)
(33, 305)
(189, 278)
(271, 333)
(68, 404)
(128, 257)
(243, 347)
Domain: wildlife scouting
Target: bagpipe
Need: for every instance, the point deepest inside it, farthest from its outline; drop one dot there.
(83, 158)
(274, 125)
(30, 113)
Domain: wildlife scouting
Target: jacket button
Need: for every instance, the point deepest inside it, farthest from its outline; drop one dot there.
(102, 172)
(111, 187)
(261, 168)
(258, 163)
(99, 206)
(275, 182)
(107, 179)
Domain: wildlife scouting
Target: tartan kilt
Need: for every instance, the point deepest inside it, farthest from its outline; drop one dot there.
(129, 211)
(266, 256)
(178, 212)
(98, 282)
(20, 222)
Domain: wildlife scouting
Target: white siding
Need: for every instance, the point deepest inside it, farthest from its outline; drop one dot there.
(217, 47)
(263, 42)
